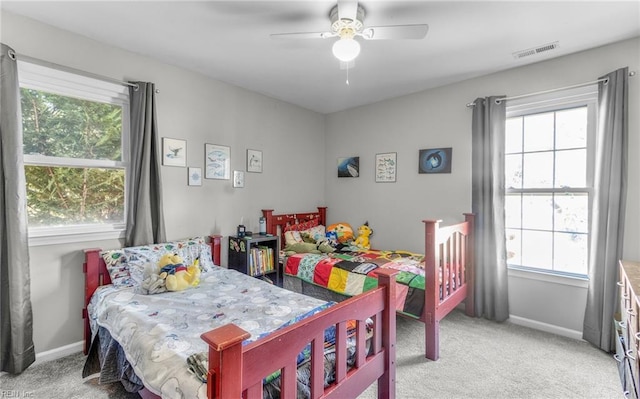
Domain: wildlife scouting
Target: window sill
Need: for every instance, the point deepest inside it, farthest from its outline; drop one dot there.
(574, 281)
(71, 235)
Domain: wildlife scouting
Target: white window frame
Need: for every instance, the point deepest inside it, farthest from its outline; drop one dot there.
(43, 78)
(549, 102)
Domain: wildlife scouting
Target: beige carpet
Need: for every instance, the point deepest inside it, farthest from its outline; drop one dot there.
(478, 359)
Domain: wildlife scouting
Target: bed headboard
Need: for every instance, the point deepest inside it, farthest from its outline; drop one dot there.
(276, 223)
(96, 275)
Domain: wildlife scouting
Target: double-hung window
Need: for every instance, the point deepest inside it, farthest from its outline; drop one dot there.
(75, 134)
(549, 142)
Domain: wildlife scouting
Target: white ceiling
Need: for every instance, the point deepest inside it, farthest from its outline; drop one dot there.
(230, 40)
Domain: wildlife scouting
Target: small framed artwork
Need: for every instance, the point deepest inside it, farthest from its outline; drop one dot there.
(195, 176)
(238, 179)
(217, 161)
(435, 160)
(254, 161)
(174, 152)
(386, 167)
(349, 167)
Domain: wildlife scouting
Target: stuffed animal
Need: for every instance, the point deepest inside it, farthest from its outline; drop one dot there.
(308, 247)
(179, 277)
(153, 282)
(362, 241)
(343, 231)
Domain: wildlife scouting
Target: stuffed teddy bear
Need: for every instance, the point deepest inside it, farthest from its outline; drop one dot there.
(179, 277)
(308, 247)
(362, 241)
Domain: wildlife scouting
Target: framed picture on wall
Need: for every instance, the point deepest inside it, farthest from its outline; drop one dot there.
(254, 161)
(217, 161)
(174, 152)
(435, 160)
(386, 167)
(349, 167)
(195, 176)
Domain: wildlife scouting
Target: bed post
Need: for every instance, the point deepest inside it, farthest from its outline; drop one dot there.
(268, 214)
(91, 284)
(322, 212)
(431, 290)
(215, 241)
(387, 382)
(469, 301)
(225, 361)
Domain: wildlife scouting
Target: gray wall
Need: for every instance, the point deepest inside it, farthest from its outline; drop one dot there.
(190, 107)
(202, 110)
(439, 118)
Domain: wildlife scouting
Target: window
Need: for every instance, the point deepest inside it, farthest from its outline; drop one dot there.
(75, 132)
(548, 177)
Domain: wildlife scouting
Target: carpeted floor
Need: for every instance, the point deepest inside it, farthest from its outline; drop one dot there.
(478, 359)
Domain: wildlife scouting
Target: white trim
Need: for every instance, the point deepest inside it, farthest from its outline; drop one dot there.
(58, 353)
(68, 237)
(548, 277)
(550, 328)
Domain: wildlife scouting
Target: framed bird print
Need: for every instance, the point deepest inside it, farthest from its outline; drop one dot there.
(217, 161)
(174, 152)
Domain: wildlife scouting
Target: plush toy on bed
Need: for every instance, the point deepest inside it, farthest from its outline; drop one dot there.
(179, 277)
(344, 232)
(362, 241)
(153, 282)
(308, 247)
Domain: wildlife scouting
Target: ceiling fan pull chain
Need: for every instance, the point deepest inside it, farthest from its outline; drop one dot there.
(347, 74)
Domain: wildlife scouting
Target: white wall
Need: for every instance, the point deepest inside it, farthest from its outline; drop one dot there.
(439, 118)
(190, 107)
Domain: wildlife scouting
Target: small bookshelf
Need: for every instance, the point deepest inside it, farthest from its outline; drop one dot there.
(256, 256)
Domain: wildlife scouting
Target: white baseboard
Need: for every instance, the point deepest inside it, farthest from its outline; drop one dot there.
(550, 328)
(60, 352)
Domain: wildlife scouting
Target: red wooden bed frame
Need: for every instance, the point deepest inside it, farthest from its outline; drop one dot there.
(237, 371)
(451, 247)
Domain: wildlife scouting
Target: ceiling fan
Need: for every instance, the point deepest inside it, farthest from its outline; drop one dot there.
(347, 22)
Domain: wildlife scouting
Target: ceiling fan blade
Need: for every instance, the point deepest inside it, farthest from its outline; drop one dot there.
(347, 9)
(395, 32)
(303, 35)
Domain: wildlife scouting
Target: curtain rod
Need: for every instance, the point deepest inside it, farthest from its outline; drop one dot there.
(471, 104)
(69, 69)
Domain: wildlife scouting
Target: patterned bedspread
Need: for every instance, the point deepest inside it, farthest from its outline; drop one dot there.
(159, 332)
(351, 273)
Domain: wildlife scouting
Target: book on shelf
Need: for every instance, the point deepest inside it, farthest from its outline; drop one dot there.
(261, 260)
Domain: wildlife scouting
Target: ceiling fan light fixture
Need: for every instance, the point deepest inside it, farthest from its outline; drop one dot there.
(346, 49)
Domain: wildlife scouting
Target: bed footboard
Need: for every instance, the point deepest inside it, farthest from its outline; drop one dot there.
(236, 370)
(449, 276)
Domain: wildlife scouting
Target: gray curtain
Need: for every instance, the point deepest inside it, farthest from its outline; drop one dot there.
(608, 209)
(145, 220)
(488, 181)
(16, 319)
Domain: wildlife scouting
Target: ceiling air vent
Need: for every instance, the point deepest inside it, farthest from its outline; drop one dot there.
(535, 50)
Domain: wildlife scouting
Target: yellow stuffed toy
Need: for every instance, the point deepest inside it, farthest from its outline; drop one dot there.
(179, 276)
(362, 241)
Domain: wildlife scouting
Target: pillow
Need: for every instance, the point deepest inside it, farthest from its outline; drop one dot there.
(343, 231)
(302, 226)
(118, 267)
(292, 237)
(316, 233)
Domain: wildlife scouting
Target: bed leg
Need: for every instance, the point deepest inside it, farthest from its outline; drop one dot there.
(432, 338)
(387, 382)
(225, 361)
